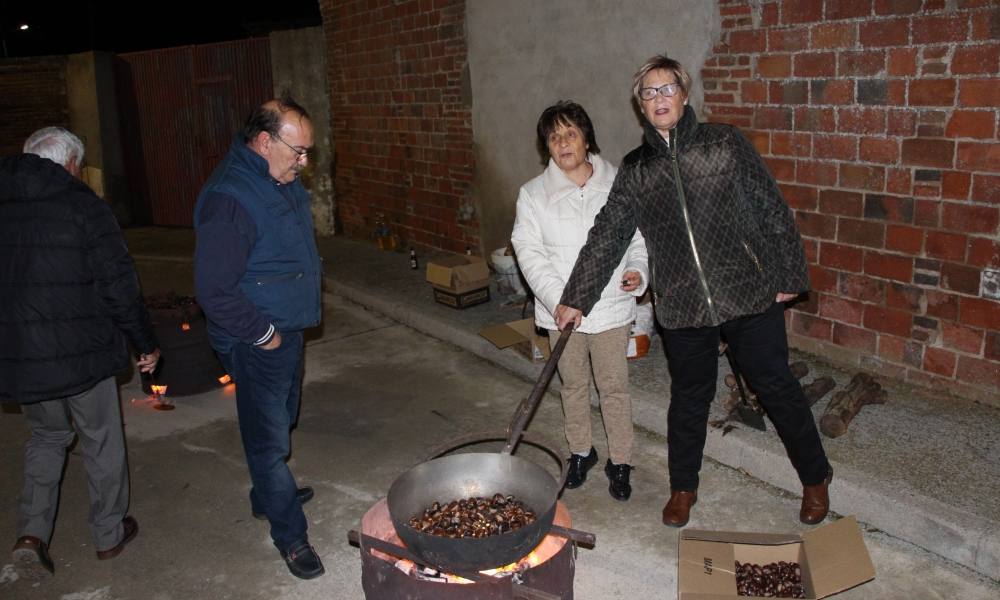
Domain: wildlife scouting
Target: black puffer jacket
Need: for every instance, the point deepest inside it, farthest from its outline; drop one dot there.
(722, 242)
(68, 287)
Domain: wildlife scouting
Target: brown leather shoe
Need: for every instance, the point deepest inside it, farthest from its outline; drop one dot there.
(815, 501)
(31, 559)
(130, 527)
(678, 509)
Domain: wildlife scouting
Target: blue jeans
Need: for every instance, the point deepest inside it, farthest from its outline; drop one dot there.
(268, 390)
(760, 347)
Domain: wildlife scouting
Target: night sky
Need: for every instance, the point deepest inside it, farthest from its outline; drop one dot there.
(116, 26)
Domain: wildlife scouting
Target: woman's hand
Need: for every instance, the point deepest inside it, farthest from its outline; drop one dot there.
(567, 314)
(631, 281)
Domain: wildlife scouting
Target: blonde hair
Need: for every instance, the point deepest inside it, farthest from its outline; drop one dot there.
(661, 61)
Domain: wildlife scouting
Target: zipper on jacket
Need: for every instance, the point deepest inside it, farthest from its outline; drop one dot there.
(672, 142)
(282, 277)
(753, 256)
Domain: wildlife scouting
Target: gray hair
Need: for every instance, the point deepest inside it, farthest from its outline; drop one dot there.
(660, 61)
(56, 144)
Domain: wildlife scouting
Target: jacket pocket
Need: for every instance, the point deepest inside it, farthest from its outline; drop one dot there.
(753, 257)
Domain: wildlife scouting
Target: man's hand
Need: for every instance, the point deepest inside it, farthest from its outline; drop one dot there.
(566, 315)
(631, 280)
(147, 362)
(274, 343)
(783, 297)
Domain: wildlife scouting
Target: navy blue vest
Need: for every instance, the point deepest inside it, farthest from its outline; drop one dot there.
(283, 273)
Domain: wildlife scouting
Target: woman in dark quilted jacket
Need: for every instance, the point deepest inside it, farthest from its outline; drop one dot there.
(724, 256)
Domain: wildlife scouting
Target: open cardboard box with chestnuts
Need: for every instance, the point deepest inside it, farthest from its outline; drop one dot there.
(829, 559)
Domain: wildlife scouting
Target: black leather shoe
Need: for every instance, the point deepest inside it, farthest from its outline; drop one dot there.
(618, 476)
(303, 561)
(31, 559)
(130, 528)
(304, 494)
(578, 467)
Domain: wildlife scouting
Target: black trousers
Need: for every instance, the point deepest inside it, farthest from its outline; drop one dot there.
(760, 346)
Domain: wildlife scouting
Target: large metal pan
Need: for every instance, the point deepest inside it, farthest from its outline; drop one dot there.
(481, 474)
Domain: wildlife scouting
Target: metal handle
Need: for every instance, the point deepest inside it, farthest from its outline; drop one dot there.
(527, 408)
(584, 538)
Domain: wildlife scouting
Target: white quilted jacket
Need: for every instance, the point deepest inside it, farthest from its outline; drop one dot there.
(553, 218)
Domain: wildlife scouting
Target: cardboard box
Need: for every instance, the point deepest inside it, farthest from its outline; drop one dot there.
(833, 558)
(459, 280)
(521, 335)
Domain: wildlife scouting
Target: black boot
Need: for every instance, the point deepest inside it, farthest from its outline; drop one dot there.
(618, 476)
(578, 467)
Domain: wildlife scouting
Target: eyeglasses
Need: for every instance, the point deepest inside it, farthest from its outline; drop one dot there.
(299, 154)
(666, 90)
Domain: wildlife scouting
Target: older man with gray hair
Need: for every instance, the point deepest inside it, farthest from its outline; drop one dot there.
(70, 298)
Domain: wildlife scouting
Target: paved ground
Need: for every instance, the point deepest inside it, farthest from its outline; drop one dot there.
(377, 396)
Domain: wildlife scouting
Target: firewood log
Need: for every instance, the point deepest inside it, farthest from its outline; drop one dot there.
(846, 404)
(799, 369)
(818, 388)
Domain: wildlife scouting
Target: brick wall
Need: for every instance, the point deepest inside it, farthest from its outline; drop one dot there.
(32, 96)
(879, 120)
(401, 124)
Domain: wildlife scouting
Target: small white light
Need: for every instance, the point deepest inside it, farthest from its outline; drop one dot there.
(23, 27)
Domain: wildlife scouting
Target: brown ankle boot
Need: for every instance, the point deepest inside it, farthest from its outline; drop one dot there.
(678, 509)
(815, 501)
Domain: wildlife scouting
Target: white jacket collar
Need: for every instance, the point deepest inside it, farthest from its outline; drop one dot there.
(557, 185)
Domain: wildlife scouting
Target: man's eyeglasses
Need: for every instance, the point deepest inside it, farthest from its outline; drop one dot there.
(300, 154)
(666, 90)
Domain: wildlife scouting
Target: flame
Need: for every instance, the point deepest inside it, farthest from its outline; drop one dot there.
(159, 389)
(225, 379)
(185, 326)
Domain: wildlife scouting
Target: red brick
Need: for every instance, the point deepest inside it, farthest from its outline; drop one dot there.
(927, 213)
(799, 197)
(884, 32)
(940, 361)
(986, 25)
(833, 35)
(831, 91)
(815, 119)
(888, 208)
(816, 225)
(902, 62)
(970, 219)
(902, 122)
(971, 124)
(894, 322)
(979, 92)
(822, 280)
(861, 287)
(816, 173)
(854, 337)
(896, 92)
(978, 156)
(904, 297)
(897, 7)
(811, 249)
(753, 92)
(960, 278)
(862, 177)
(922, 152)
(955, 184)
(787, 40)
(769, 15)
(986, 188)
(979, 372)
(842, 258)
(788, 92)
(801, 11)
(859, 232)
(984, 253)
(867, 121)
(981, 59)
(811, 326)
(889, 266)
(772, 117)
(900, 350)
(840, 147)
(840, 309)
(901, 238)
(782, 169)
(992, 349)
(791, 144)
(860, 63)
(944, 28)
(847, 9)
(879, 150)
(761, 140)
(942, 305)
(840, 202)
(961, 338)
(748, 41)
(946, 246)
(897, 181)
(814, 64)
(932, 92)
(775, 65)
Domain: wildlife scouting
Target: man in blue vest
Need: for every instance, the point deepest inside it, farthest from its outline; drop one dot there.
(257, 277)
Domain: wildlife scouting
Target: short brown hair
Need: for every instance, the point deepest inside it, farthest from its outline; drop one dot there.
(661, 61)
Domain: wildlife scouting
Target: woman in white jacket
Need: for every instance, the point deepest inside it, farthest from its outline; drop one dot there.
(554, 213)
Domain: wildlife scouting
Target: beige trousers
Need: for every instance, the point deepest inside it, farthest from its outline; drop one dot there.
(605, 353)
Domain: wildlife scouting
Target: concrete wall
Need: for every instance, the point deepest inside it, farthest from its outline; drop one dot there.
(525, 55)
(298, 64)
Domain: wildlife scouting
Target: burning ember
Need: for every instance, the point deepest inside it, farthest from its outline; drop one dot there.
(185, 327)
(225, 379)
(159, 390)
